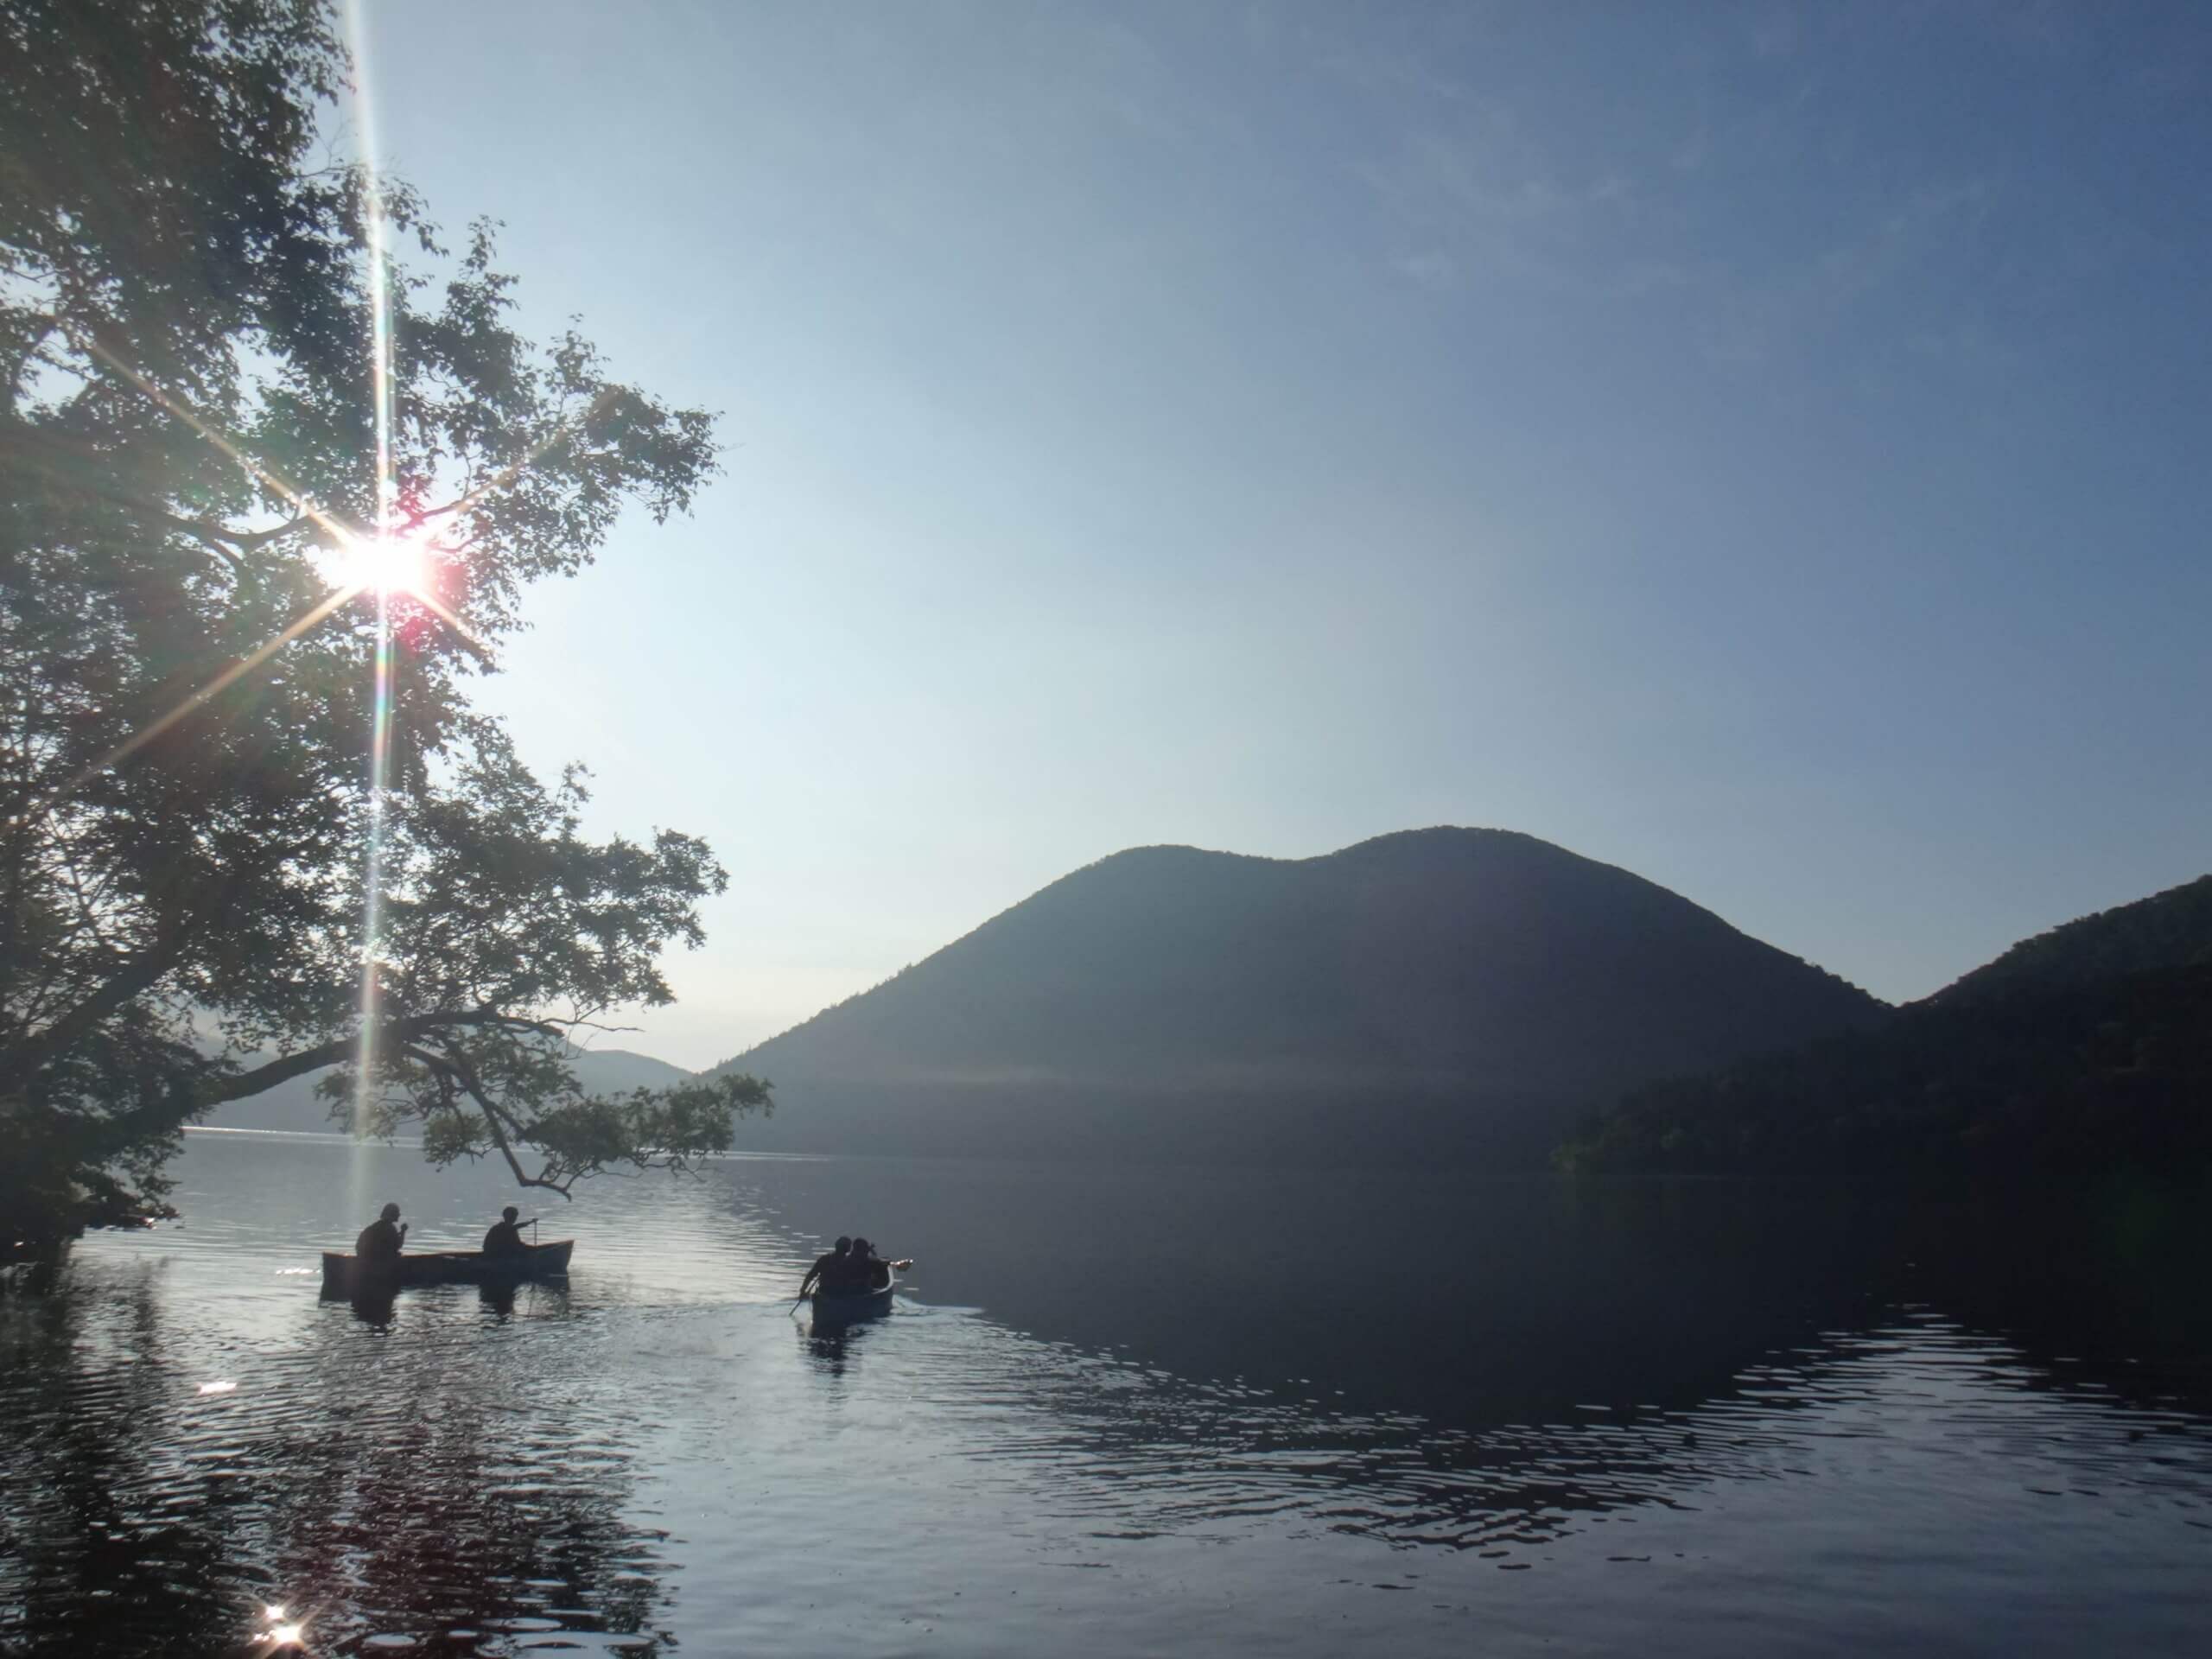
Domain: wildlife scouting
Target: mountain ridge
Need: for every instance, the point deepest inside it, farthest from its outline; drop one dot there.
(1430, 964)
(2169, 929)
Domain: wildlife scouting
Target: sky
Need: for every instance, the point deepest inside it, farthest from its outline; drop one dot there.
(1763, 447)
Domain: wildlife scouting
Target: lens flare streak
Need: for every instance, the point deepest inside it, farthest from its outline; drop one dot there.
(214, 435)
(373, 881)
(229, 676)
(387, 497)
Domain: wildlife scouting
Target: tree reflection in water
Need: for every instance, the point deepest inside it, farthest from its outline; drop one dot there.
(371, 1487)
(91, 1545)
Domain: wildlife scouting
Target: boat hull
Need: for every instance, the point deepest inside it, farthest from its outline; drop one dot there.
(842, 1307)
(343, 1275)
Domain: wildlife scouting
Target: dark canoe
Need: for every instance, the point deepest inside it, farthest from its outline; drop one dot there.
(842, 1306)
(343, 1274)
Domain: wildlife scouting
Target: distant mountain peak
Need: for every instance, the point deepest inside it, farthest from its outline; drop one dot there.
(1443, 960)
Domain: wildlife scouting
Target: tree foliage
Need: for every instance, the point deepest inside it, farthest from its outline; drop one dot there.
(188, 447)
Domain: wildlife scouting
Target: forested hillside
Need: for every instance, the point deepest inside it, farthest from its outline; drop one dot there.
(2172, 929)
(2086, 1047)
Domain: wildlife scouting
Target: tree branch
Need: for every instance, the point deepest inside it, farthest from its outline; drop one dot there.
(339, 1050)
(47, 324)
(39, 452)
(135, 978)
(472, 1085)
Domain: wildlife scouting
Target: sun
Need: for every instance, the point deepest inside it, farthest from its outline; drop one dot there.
(385, 564)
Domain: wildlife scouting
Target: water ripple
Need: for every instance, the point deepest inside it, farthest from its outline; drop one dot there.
(661, 1448)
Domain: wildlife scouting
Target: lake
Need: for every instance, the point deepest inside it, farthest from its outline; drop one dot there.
(1117, 1410)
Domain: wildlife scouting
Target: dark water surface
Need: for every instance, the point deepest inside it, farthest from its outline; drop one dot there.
(1118, 1411)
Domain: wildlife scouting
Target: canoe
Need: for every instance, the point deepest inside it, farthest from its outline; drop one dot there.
(845, 1306)
(343, 1273)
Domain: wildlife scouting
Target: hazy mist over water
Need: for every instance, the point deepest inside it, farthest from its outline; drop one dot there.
(1117, 1410)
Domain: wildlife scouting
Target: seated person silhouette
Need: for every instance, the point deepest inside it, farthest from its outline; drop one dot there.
(829, 1270)
(379, 1245)
(870, 1271)
(505, 1237)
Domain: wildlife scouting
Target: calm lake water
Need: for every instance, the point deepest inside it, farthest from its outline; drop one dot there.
(1116, 1411)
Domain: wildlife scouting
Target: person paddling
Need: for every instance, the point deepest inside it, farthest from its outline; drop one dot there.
(380, 1240)
(829, 1270)
(869, 1270)
(505, 1237)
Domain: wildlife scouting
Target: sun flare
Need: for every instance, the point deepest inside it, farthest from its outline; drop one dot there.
(385, 564)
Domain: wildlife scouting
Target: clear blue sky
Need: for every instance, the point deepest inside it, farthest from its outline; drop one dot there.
(1766, 447)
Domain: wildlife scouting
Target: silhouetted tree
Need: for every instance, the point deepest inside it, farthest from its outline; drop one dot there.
(189, 457)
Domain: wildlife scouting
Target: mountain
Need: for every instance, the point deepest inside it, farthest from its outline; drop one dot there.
(1397, 996)
(295, 1105)
(2087, 1048)
(2172, 929)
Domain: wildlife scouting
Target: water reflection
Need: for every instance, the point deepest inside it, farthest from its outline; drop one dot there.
(89, 1531)
(374, 1489)
(374, 1307)
(832, 1345)
(1192, 1459)
(1177, 1457)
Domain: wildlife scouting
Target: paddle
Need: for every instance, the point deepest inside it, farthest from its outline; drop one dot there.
(802, 1294)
